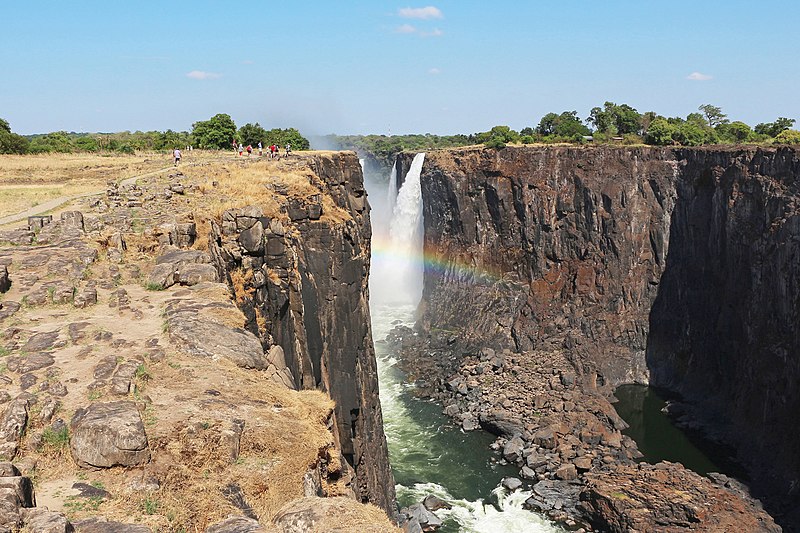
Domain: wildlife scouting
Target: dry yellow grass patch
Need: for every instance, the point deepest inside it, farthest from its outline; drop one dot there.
(258, 182)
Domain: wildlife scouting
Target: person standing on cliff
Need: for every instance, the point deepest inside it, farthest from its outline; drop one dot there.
(241, 149)
(176, 153)
(288, 149)
(260, 153)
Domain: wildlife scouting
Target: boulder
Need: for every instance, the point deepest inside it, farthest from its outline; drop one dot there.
(16, 493)
(512, 483)
(5, 281)
(567, 472)
(108, 434)
(546, 438)
(236, 524)
(12, 425)
(512, 451)
(434, 503)
(162, 276)
(501, 423)
(42, 520)
(337, 514)
(205, 338)
(193, 274)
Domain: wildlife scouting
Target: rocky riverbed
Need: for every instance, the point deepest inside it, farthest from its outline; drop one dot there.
(565, 438)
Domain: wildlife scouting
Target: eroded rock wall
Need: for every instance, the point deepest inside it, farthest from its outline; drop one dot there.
(577, 239)
(304, 285)
(677, 267)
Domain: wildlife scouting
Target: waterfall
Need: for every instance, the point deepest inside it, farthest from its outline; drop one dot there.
(428, 454)
(397, 267)
(391, 192)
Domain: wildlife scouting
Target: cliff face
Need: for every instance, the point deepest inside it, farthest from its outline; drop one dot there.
(577, 239)
(677, 267)
(724, 325)
(303, 285)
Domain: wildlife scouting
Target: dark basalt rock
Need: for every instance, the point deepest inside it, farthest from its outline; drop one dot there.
(677, 267)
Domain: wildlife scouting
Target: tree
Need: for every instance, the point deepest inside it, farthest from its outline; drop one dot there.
(714, 115)
(288, 136)
(251, 134)
(547, 125)
(11, 143)
(788, 137)
(566, 125)
(659, 132)
(216, 133)
(773, 129)
(616, 119)
(737, 132)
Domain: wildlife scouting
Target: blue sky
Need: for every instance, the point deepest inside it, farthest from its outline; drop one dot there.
(378, 67)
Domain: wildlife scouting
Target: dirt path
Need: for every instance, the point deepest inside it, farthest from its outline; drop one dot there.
(61, 200)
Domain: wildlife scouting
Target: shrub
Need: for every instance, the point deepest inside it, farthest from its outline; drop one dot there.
(788, 137)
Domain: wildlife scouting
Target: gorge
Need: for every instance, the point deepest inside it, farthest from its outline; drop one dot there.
(571, 271)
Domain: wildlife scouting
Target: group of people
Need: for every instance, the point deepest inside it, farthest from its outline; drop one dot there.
(274, 149)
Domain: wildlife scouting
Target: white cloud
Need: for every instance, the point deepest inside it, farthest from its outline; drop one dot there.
(423, 13)
(434, 70)
(697, 76)
(406, 28)
(435, 33)
(203, 75)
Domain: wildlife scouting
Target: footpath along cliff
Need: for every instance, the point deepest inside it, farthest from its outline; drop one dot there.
(193, 352)
(559, 273)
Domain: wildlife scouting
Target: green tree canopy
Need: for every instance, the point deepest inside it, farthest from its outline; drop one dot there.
(660, 132)
(773, 129)
(11, 143)
(788, 137)
(281, 137)
(566, 126)
(216, 133)
(714, 115)
(252, 133)
(615, 119)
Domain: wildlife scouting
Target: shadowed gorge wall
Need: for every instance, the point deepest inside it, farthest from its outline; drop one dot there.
(677, 267)
(304, 286)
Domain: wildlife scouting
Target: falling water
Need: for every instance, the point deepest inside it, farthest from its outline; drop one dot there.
(428, 454)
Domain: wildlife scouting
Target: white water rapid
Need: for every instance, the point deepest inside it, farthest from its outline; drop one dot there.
(428, 454)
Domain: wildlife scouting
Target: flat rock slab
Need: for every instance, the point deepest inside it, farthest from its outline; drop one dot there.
(203, 337)
(108, 434)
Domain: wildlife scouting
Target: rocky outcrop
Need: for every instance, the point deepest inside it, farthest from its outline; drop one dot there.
(302, 283)
(676, 499)
(108, 434)
(671, 266)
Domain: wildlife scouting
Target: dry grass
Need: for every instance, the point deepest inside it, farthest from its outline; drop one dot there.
(242, 281)
(255, 182)
(30, 180)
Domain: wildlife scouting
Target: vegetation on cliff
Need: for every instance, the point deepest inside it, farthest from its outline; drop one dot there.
(610, 124)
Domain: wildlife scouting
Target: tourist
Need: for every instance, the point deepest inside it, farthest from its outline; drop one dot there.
(259, 149)
(249, 150)
(288, 149)
(177, 155)
(241, 149)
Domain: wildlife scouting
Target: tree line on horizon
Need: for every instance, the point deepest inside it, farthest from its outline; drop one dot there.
(610, 124)
(217, 133)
